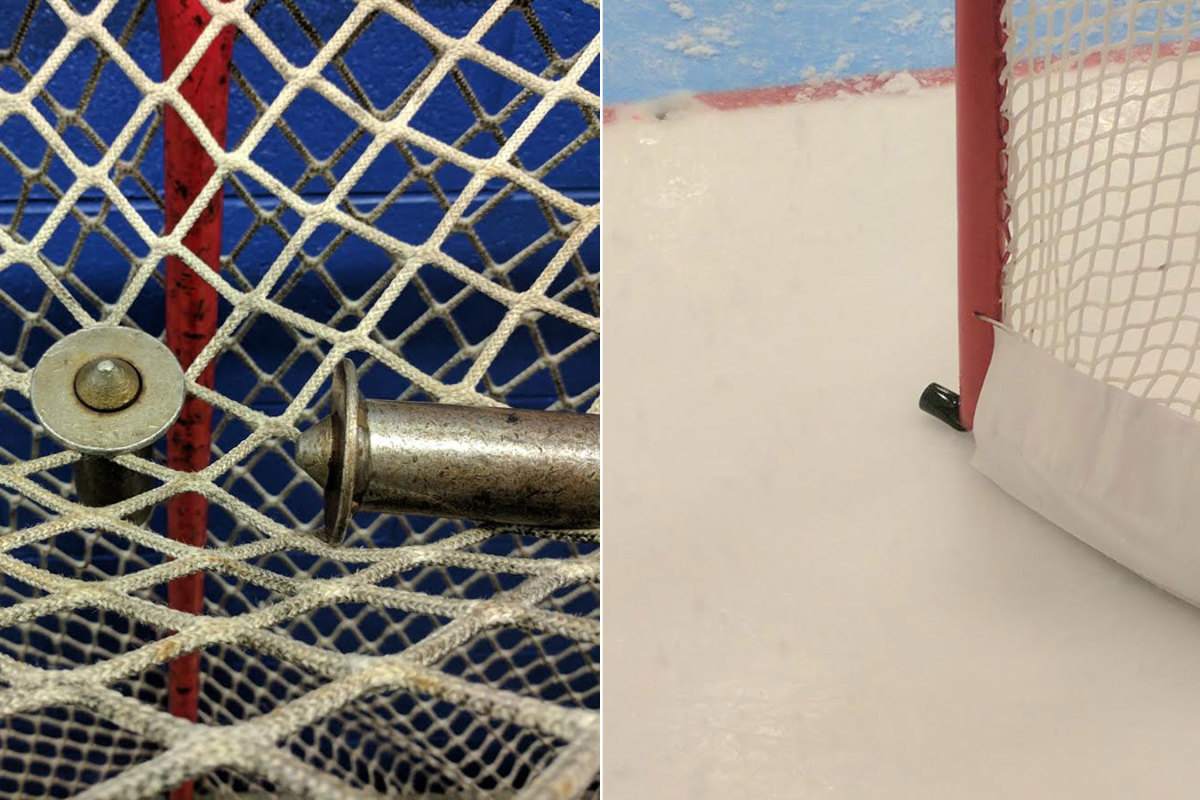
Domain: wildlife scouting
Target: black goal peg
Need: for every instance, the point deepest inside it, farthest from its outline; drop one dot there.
(943, 404)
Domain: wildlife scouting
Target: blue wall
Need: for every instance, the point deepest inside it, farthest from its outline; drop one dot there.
(656, 47)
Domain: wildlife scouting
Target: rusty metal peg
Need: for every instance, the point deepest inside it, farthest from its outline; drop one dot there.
(533, 468)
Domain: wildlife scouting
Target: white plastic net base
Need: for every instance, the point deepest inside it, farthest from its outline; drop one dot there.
(1103, 144)
(412, 185)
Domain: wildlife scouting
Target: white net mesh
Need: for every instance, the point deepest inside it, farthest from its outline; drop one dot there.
(411, 185)
(1103, 112)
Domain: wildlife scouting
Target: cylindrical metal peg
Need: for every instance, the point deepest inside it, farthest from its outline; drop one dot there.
(535, 468)
(100, 481)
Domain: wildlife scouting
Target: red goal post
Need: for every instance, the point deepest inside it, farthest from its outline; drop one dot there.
(982, 218)
(982, 213)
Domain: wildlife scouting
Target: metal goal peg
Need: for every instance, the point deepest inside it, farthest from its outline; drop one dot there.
(104, 391)
(535, 468)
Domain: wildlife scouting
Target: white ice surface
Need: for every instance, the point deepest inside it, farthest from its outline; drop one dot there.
(808, 591)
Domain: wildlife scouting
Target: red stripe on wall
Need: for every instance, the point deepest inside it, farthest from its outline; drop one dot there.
(813, 91)
(809, 92)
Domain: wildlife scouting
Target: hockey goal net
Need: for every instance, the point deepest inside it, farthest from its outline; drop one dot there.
(273, 186)
(1079, 242)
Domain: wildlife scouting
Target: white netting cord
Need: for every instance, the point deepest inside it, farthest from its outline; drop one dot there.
(460, 663)
(1103, 111)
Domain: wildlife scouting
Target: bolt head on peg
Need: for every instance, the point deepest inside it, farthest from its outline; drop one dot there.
(103, 391)
(107, 383)
(538, 469)
(330, 451)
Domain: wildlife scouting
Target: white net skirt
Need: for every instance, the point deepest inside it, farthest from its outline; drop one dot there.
(409, 185)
